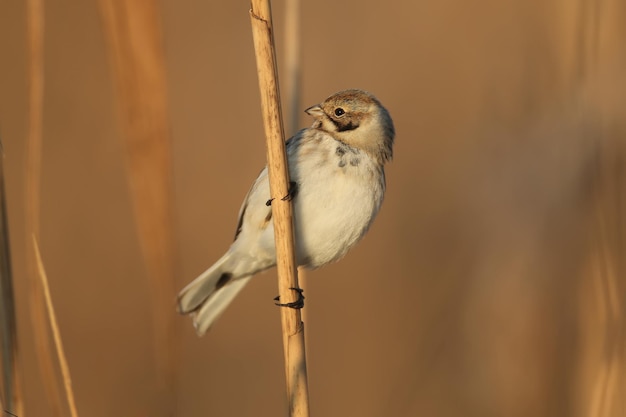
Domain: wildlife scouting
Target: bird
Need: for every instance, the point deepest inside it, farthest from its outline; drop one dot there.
(337, 175)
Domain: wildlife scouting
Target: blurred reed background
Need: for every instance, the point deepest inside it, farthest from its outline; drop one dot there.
(492, 283)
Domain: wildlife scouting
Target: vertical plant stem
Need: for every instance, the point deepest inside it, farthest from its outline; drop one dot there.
(134, 40)
(609, 265)
(35, 28)
(292, 65)
(282, 214)
(8, 323)
(293, 86)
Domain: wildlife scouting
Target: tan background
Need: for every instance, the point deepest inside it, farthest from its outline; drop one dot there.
(492, 283)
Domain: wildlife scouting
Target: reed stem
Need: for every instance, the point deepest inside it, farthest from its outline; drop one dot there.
(282, 213)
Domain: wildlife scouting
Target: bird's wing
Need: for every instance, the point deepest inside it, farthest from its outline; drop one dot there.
(251, 198)
(259, 194)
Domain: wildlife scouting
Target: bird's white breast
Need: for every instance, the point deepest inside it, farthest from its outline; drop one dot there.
(340, 191)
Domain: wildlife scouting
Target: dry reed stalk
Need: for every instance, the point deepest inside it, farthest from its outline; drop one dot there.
(8, 324)
(134, 38)
(605, 346)
(56, 334)
(292, 65)
(282, 214)
(35, 28)
(609, 268)
(293, 87)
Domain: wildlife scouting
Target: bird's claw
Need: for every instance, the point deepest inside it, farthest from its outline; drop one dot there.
(298, 304)
(291, 193)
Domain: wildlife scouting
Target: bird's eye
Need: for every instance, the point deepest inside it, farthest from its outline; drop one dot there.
(339, 112)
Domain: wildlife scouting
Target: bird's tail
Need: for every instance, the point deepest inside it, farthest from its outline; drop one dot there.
(207, 296)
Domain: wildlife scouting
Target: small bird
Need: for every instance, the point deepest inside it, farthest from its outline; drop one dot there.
(336, 168)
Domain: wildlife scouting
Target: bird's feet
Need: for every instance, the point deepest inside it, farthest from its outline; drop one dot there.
(291, 193)
(298, 304)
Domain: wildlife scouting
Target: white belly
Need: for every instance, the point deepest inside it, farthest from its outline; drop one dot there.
(333, 209)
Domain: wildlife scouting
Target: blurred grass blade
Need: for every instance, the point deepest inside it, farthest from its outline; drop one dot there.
(8, 325)
(293, 90)
(608, 343)
(292, 68)
(134, 40)
(35, 29)
(65, 370)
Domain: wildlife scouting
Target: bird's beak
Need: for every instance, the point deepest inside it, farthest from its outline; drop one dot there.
(314, 111)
